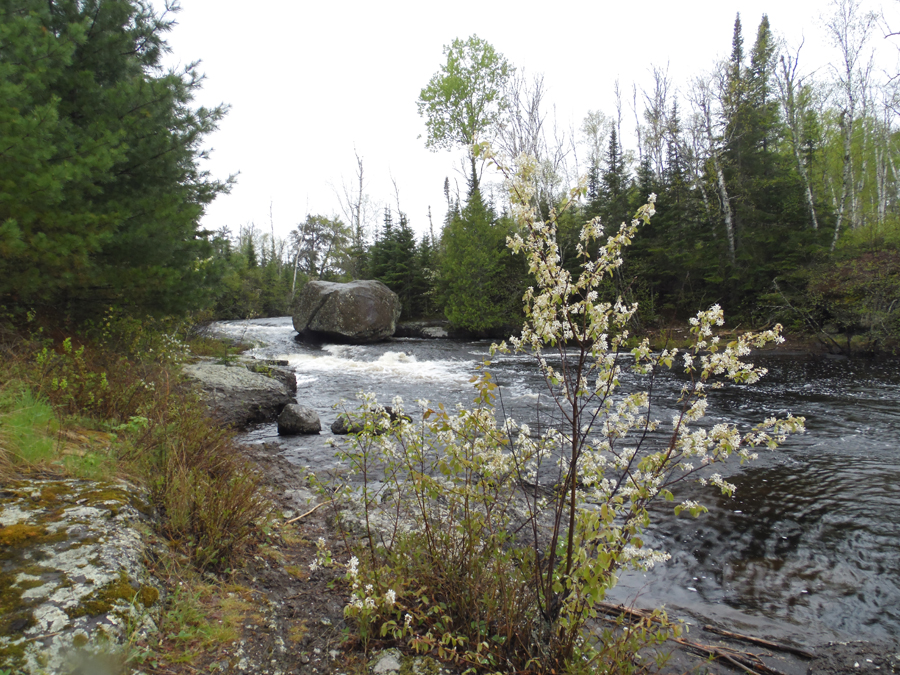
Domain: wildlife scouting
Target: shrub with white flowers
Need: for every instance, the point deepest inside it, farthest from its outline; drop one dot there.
(490, 544)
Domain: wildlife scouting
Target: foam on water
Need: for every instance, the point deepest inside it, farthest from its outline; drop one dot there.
(387, 365)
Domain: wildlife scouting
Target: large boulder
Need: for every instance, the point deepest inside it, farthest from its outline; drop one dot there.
(238, 396)
(358, 312)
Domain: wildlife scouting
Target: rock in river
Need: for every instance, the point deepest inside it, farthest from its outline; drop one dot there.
(298, 419)
(238, 396)
(358, 312)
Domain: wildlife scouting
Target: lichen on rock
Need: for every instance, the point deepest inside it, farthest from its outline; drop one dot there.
(72, 575)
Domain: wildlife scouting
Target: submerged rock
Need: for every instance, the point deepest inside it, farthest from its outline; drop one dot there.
(238, 396)
(358, 312)
(73, 585)
(298, 419)
(343, 426)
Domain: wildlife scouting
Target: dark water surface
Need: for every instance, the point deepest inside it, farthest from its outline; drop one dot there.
(809, 546)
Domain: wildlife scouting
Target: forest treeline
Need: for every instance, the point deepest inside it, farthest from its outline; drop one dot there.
(776, 182)
(777, 195)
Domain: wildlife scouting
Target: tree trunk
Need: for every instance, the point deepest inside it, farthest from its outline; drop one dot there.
(726, 207)
(846, 176)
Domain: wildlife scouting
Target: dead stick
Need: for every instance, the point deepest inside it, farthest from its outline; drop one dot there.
(629, 612)
(740, 665)
(736, 658)
(763, 643)
(735, 655)
(303, 515)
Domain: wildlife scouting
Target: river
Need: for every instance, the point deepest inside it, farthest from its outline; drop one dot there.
(808, 548)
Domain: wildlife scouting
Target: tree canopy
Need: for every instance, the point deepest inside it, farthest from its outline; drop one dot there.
(465, 99)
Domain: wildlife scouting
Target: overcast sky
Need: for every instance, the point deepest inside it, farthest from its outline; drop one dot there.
(308, 82)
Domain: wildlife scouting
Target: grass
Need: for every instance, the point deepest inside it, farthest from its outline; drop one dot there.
(28, 428)
(108, 402)
(202, 616)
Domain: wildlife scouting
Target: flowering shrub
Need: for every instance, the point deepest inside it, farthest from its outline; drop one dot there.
(496, 542)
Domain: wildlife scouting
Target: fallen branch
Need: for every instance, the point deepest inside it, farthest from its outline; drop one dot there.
(311, 511)
(749, 662)
(746, 661)
(762, 643)
(632, 613)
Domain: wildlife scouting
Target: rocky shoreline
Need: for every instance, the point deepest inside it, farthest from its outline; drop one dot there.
(290, 485)
(83, 577)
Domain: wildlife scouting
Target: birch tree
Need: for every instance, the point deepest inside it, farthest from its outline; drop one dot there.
(850, 29)
(793, 97)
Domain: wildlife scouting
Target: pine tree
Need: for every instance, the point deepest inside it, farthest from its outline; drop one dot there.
(766, 193)
(395, 261)
(615, 185)
(102, 191)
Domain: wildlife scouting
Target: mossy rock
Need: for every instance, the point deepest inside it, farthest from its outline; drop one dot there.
(72, 575)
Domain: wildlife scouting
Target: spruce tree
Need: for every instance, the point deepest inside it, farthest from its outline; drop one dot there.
(482, 283)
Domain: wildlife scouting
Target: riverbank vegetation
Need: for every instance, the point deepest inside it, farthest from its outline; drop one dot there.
(111, 403)
(107, 402)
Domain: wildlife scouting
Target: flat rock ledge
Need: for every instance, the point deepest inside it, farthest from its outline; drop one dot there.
(238, 396)
(73, 585)
(423, 330)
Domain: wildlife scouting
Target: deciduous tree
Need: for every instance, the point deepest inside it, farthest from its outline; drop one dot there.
(464, 101)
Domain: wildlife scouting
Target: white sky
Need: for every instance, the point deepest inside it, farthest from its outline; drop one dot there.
(309, 81)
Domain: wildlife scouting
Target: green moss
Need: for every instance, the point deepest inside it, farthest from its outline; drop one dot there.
(296, 571)
(80, 640)
(419, 665)
(107, 597)
(12, 656)
(148, 595)
(26, 584)
(16, 614)
(16, 538)
(114, 497)
(54, 493)
(33, 570)
(19, 534)
(104, 496)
